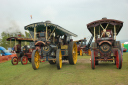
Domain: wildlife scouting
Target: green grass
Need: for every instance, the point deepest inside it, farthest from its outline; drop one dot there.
(79, 74)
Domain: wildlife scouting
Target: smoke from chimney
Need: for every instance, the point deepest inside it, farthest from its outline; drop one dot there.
(13, 28)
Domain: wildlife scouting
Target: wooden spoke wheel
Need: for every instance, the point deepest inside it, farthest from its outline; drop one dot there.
(93, 59)
(72, 53)
(58, 59)
(118, 59)
(24, 60)
(81, 52)
(35, 59)
(14, 60)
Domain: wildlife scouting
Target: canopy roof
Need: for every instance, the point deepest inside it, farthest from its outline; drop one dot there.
(19, 39)
(104, 22)
(41, 26)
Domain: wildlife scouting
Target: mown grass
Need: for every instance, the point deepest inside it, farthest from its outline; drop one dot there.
(79, 74)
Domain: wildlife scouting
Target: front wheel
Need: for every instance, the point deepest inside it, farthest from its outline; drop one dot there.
(118, 59)
(58, 59)
(93, 59)
(14, 61)
(35, 59)
(24, 60)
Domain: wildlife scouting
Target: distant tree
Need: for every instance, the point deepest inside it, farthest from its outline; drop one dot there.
(6, 44)
(3, 41)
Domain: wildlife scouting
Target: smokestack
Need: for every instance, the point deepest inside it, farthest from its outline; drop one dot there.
(104, 18)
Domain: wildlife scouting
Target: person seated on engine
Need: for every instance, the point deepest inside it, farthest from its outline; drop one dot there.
(106, 33)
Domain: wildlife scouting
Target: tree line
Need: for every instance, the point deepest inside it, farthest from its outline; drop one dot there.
(6, 44)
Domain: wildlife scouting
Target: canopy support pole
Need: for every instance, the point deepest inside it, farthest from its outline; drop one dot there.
(114, 32)
(51, 33)
(46, 32)
(94, 34)
(104, 29)
(30, 34)
(34, 33)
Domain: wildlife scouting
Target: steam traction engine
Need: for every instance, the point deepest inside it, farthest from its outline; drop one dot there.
(105, 47)
(22, 55)
(82, 47)
(53, 44)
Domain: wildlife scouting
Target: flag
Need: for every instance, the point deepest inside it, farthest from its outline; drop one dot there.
(31, 16)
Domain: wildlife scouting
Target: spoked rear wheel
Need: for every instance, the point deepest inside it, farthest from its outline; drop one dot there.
(35, 59)
(14, 60)
(58, 59)
(24, 60)
(93, 59)
(72, 53)
(118, 59)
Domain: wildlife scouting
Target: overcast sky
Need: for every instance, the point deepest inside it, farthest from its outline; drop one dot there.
(72, 15)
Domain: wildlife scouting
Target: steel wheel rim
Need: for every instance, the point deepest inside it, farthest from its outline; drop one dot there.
(60, 59)
(117, 59)
(94, 59)
(36, 59)
(93, 53)
(121, 58)
(24, 60)
(74, 53)
(15, 61)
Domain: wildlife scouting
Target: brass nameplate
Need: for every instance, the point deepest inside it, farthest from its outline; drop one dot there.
(64, 46)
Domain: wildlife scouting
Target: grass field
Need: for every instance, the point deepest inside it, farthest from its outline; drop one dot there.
(79, 74)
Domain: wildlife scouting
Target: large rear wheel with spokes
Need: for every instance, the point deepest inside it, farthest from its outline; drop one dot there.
(72, 53)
